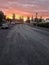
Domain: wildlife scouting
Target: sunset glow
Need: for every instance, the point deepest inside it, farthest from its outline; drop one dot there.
(25, 8)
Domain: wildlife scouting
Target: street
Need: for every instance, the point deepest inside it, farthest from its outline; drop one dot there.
(24, 45)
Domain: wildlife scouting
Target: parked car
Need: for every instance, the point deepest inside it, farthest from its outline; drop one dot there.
(13, 23)
(4, 26)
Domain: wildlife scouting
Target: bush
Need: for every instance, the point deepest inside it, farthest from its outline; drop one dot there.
(43, 25)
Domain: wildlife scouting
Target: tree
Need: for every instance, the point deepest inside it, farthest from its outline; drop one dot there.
(28, 20)
(36, 20)
(21, 19)
(31, 19)
(1, 17)
(40, 19)
(13, 16)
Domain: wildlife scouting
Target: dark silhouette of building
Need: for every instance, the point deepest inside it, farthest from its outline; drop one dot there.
(9, 20)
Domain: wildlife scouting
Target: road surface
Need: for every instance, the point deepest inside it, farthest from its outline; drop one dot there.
(24, 45)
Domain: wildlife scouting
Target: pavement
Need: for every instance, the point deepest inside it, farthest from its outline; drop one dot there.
(24, 45)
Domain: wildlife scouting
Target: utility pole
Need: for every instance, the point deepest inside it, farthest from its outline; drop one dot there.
(36, 19)
(36, 15)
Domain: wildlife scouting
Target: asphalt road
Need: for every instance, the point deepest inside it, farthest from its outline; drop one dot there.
(24, 45)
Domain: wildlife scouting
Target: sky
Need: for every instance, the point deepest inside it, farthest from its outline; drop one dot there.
(25, 7)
